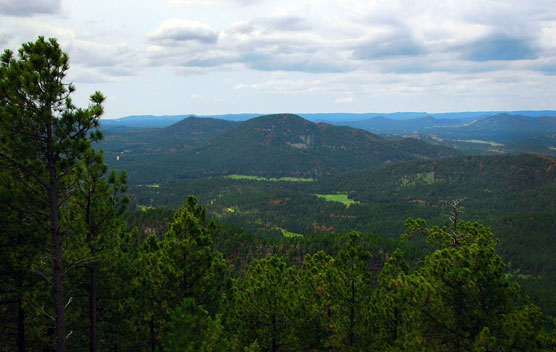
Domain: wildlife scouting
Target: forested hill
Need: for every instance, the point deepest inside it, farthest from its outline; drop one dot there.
(192, 131)
(482, 174)
(504, 132)
(381, 124)
(186, 133)
(271, 146)
(503, 128)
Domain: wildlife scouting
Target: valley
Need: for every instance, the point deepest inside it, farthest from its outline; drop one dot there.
(282, 175)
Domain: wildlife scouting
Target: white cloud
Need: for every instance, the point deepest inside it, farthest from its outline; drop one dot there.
(92, 54)
(175, 31)
(344, 100)
(377, 36)
(308, 53)
(283, 23)
(29, 7)
(277, 43)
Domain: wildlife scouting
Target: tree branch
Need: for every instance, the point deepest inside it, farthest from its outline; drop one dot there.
(24, 169)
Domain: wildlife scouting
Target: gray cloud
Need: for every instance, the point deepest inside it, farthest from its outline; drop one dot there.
(261, 60)
(391, 45)
(266, 44)
(92, 54)
(283, 23)
(206, 61)
(174, 31)
(422, 39)
(29, 7)
(4, 40)
(501, 48)
(300, 63)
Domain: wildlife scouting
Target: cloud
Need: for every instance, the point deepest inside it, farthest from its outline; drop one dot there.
(174, 31)
(391, 37)
(294, 62)
(277, 43)
(213, 2)
(344, 100)
(109, 62)
(85, 76)
(92, 54)
(4, 40)
(24, 8)
(394, 44)
(501, 48)
(283, 23)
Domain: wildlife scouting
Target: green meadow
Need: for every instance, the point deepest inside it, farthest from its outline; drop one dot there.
(257, 178)
(342, 198)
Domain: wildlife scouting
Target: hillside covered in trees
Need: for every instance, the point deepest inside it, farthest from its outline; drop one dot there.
(78, 272)
(271, 146)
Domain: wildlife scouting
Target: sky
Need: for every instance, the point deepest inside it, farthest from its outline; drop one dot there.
(304, 56)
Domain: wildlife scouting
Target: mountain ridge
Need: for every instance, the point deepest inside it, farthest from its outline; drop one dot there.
(281, 145)
(143, 121)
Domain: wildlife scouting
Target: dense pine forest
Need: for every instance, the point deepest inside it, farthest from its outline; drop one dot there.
(261, 262)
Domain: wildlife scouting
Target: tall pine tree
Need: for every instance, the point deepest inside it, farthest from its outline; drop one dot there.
(42, 137)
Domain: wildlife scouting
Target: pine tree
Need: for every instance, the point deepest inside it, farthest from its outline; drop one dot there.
(351, 285)
(461, 298)
(313, 303)
(21, 245)
(391, 303)
(188, 263)
(262, 305)
(179, 266)
(43, 136)
(95, 214)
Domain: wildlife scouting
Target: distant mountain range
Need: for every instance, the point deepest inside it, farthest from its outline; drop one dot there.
(504, 128)
(496, 126)
(493, 134)
(150, 121)
(270, 146)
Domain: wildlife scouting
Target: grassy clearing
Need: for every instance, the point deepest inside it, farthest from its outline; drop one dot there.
(231, 209)
(479, 141)
(287, 233)
(257, 178)
(342, 198)
(142, 207)
(519, 275)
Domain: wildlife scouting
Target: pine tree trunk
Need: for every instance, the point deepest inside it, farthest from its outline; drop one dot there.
(21, 343)
(274, 333)
(57, 283)
(352, 313)
(20, 326)
(153, 340)
(58, 274)
(93, 309)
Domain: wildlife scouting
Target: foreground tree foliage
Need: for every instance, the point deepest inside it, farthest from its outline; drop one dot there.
(72, 276)
(44, 136)
(461, 299)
